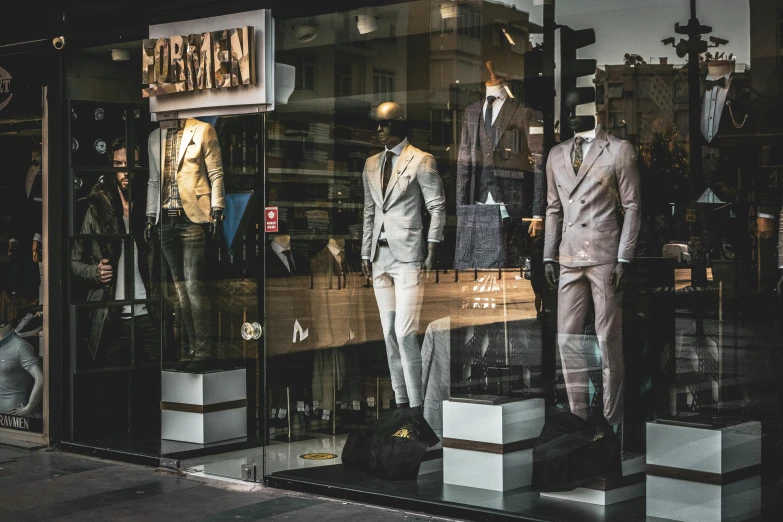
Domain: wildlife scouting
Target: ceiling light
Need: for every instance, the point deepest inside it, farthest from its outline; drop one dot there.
(448, 10)
(306, 33)
(366, 23)
(120, 55)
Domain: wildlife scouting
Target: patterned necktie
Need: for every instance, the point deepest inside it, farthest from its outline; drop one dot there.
(578, 141)
(488, 114)
(387, 169)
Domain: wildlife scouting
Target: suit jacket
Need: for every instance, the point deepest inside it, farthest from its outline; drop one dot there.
(414, 185)
(199, 171)
(500, 160)
(276, 268)
(582, 218)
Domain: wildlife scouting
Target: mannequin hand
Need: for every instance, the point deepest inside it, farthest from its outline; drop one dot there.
(11, 247)
(216, 225)
(429, 261)
(37, 254)
(20, 411)
(148, 228)
(780, 284)
(536, 228)
(617, 277)
(550, 274)
(367, 268)
(104, 272)
(764, 227)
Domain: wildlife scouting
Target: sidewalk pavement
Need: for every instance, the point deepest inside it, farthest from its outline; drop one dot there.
(51, 485)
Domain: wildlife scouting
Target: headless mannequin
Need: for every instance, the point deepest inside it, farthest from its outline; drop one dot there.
(581, 126)
(391, 132)
(35, 371)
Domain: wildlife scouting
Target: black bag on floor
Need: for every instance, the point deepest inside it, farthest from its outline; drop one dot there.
(571, 452)
(392, 447)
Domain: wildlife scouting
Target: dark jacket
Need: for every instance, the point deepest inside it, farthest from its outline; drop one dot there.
(500, 161)
(103, 217)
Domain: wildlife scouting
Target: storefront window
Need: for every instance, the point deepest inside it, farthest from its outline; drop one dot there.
(22, 342)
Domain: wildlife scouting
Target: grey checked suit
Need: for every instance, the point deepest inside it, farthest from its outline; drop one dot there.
(414, 185)
(583, 230)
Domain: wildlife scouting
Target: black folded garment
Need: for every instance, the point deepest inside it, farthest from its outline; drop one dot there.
(392, 447)
(571, 452)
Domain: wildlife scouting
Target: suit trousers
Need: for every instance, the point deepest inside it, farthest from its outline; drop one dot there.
(399, 293)
(184, 246)
(576, 286)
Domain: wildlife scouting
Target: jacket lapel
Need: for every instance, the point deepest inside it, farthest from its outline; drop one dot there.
(187, 135)
(596, 149)
(568, 179)
(506, 113)
(402, 163)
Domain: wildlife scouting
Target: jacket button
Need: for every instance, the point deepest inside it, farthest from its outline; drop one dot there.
(583, 201)
(570, 224)
(584, 224)
(384, 211)
(570, 200)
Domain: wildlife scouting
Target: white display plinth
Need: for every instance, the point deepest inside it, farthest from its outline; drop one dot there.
(490, 446)
(701, 472)
(605, 491)
(202, 408)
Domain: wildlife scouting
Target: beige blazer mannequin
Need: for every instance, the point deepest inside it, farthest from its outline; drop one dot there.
(199, 171)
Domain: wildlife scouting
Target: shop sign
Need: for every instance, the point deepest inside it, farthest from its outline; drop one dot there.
(15, 422)
(211, 60)
(271, 218)
(5, 88)
(210, 66)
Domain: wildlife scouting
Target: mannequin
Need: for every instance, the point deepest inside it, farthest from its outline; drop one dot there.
(185, 200)
(584, 191)
(494, 155)
(398, 184)
(18, 366)
(281, 260)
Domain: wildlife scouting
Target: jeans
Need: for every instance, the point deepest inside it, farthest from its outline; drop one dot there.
(184, 246)
(117, 342)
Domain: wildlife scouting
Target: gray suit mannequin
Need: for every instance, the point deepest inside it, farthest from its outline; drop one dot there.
(582, 225)
(393, 243)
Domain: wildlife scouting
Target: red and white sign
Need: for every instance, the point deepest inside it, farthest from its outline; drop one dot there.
(271, 219)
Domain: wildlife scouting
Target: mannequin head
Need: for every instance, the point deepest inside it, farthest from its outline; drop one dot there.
(283, 240)
(391, 124)
(718, 68)
(574, 98)
(337, 242)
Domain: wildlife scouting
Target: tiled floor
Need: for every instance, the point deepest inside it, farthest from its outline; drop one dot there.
(49, 485)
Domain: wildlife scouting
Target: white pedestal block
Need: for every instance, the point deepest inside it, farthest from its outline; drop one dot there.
(202, 408)
(490, 446)
(606, 490)
(702, 472)
(433, 460)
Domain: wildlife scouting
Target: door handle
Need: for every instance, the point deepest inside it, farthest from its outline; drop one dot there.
(251, 331)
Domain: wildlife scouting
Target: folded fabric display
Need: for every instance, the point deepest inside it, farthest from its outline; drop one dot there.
(317, 221)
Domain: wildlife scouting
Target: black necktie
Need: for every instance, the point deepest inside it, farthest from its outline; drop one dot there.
(488, 114)
(720, 82)
(387, 169)
(578, 141)
(290, 258)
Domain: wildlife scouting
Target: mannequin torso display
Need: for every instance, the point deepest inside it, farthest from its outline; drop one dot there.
(592, 224)
(21, 379)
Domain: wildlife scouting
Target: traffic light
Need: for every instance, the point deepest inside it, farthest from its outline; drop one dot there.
(572, 67)
(535, 85)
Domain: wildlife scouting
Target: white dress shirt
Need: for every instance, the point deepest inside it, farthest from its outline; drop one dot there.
(712, 108)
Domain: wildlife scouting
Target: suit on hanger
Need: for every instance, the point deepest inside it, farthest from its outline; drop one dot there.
(584, 230)
(398, 213)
